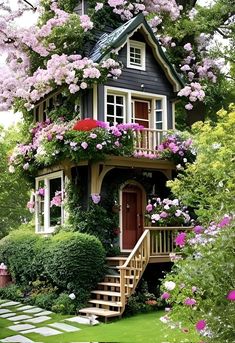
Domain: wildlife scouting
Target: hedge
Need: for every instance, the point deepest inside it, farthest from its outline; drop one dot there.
(75, 261)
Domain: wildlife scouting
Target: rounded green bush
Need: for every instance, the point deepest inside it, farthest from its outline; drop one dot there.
(75, 261)
(18, 252)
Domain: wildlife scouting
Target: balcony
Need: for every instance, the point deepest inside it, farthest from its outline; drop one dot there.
(147, 140)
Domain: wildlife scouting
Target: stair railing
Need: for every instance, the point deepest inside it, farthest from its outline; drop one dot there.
(132, 270)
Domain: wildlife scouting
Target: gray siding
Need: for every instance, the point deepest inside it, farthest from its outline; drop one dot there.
(87, 104)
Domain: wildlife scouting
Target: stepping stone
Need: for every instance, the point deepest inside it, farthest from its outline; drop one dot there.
(44, 313)
(38, 319)
(21, 327)
(34, 310)
(10, 303)
(23, 308)
(83, 320)
(44, 331)
(64, 327)
(7, 315)
(16, 339)
(4, 310)
(2, 301)
(20, 317)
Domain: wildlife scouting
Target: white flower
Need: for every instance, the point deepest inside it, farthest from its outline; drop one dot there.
(169, 285)
(164, 319)
(72, 296)
(11, 169)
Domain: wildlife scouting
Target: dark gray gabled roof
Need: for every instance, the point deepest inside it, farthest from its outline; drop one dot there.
(118, 37)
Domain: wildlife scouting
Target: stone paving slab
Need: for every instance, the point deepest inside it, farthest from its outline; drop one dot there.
(37, 320)
(64, 327)
(34, 310)
(44, 313)
(21, 327)
(44, 331)
(83, 320)
(16, 339)
(7, 315)
(19, 317)
(4, 310)
(10, 303)
(23, 308)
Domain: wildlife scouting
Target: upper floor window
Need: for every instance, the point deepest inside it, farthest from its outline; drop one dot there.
(158, 115)
(136, 55)
(116, 108)
(49, 202)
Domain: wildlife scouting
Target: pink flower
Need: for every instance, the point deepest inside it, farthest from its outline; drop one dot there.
(149, 207)
(41, 192)
(201, 324)
(180, 240)
(190, 302)
(225, 221)
(163, 214)
(99, 146)
(95, 198)
(165, 295)
(84, 145)
(231, 295)
(198, 229)
(194, 288)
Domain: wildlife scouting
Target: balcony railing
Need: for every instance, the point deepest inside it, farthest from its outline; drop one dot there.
(147, 140)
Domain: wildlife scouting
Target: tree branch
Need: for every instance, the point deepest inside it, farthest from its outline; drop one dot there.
(29, 4)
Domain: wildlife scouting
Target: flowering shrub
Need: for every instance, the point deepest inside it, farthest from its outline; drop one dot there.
(51, 142)
(167, 212)
(200, 289)
(177, 148)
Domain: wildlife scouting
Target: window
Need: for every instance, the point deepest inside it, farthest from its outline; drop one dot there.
(116, 108)
(49, 205)
(159, 115)
(136, 55)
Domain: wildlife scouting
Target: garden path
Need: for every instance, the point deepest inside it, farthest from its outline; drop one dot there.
(26, 320)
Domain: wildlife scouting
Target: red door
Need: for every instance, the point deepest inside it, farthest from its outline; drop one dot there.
(141, 113)
(132, 216)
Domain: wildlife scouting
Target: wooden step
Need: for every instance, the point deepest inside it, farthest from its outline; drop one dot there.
(109, 284)
(105, 302)
(108, 293)
(100, 312)
(112, 275)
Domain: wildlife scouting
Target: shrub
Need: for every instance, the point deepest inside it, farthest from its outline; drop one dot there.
(75, 261)
(12, 292)
(18, 252)
(44, 300)
(63, 304)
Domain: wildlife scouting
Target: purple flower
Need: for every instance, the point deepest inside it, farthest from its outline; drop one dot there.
(198, 229)
(41, 192)
(165, 295)
(231, 295)
(93, 135)
(95, 198)
(149, 207)
(84, 145)
(225, 221)
(190, 302)
(201, 324)
(180, 240)
(163, 214)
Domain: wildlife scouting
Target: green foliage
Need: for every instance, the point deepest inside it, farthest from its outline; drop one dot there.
(13, 292)
(18, 252)
(207, 276)
(75, 261)
(208, 185)
(141, 301)
(63, 304)
(14, 190)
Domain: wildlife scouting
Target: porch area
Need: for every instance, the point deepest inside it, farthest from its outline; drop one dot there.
(124, 272)
(146, 140)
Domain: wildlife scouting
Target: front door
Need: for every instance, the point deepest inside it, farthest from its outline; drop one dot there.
(141, 112)
(132, 216)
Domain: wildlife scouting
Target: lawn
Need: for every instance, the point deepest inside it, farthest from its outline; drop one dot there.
(139, 328)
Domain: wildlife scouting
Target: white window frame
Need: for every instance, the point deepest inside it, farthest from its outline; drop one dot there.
(136, 45)
(46, 178)
(130, 96)
(115, 95)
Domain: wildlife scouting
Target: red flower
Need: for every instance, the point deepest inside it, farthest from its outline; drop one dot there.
(86, 125)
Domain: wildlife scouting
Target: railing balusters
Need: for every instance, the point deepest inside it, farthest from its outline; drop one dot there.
(146, 140)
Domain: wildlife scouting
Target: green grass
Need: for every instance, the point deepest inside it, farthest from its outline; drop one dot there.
(137, 329)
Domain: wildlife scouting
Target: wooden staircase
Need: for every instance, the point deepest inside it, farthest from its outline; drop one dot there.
(124, 272)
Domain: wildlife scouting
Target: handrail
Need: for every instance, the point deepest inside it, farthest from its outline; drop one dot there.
(165, 228)
(137, 246)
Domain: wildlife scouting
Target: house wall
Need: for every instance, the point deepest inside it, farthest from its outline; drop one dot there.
(152, 80)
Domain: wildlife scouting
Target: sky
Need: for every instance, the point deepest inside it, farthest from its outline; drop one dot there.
(28, 19)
